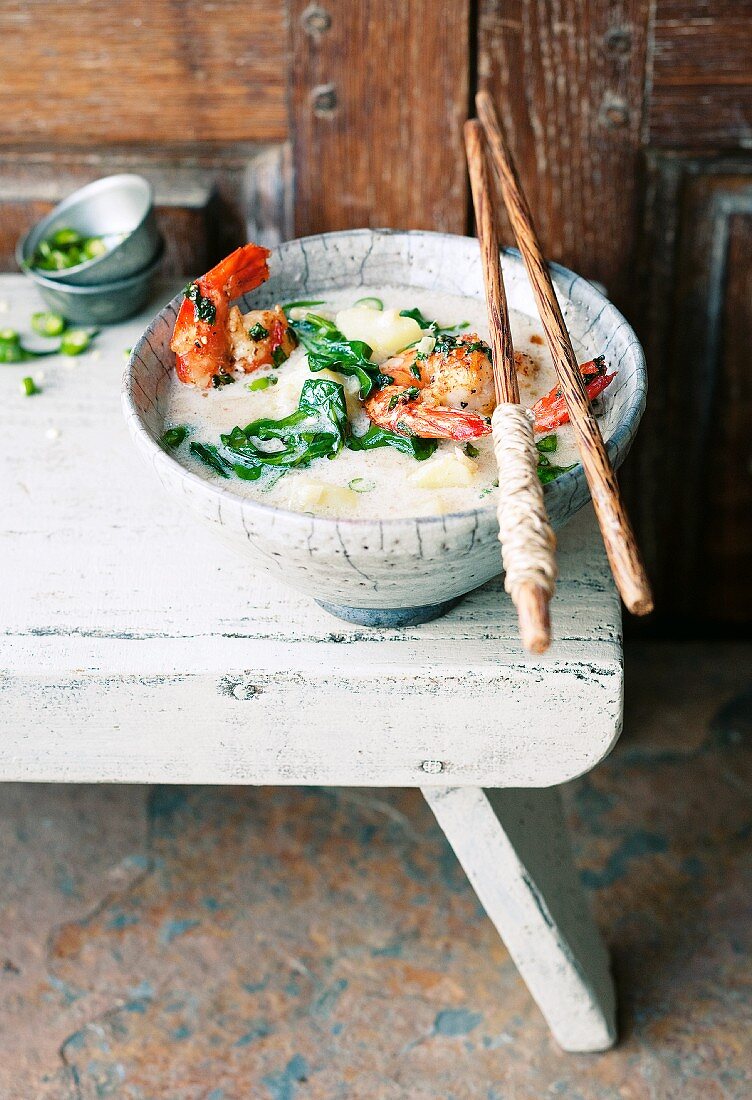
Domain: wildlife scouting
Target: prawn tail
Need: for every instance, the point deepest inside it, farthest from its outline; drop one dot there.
(446, 423)
(243, 270)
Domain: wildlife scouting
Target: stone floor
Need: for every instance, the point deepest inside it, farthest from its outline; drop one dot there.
(295, 944)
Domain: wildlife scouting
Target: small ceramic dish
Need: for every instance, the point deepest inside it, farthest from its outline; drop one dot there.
(105, 304)
(120, 206)
(395, 571)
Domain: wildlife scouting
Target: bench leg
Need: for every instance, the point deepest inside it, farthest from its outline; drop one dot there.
(515, 851)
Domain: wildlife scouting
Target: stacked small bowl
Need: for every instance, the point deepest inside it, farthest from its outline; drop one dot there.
(116, 284)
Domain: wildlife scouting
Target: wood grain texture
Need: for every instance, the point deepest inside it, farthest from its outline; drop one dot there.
(159, 71)
(378, 99)
(697, 327)
(701, 74)
(568, 83)
(727, 537)
(519, 465)
(208, 201)
(137, 648)
(618, 536)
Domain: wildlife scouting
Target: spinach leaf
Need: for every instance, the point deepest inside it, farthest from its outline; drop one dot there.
(317, 429)
(548, 472)
(413, 445)
(548, 443)
(432, 326)
(211, 457)
(327, 349)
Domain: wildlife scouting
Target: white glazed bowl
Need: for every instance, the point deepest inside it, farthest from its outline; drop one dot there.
(396, 571)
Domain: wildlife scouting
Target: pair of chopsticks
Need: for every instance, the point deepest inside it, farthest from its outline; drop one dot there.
(528, 543)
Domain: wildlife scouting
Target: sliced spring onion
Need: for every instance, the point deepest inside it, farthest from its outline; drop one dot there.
(370, 303)
(76, 340)
(471, 451)
(93, 247)
(302, 304)
(48, 324)
(127, 353)
(66, 248)
(29, 387)
(361, 484)
(13, 351)
(263, 383)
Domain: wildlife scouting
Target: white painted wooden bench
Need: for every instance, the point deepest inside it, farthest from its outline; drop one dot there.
(137, 649)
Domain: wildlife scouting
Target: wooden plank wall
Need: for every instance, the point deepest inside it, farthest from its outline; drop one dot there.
(378, 95)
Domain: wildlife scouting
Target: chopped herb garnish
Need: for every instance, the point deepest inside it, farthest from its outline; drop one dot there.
(211, 457)
(127, 353)
(415, 369)
(361, 484)
(173, 437)
(413, 445)
(393, 401)
(471, 451)
(222, 379)
(48, 324)
(258, 332)
(203, 308)
(279, 356)
(263, 383)
(370, 303)
(29, 387)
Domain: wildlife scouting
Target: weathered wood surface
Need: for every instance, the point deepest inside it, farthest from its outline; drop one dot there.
(378, 97)
(136, 648)
(700, 74)
(514, 848)
(142, 71)
(568, 81)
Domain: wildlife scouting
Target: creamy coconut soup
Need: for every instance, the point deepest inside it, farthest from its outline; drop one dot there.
(325, 468)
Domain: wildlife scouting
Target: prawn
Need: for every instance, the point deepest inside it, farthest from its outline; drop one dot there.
(448, 394)
(211, 337)
(551, 412)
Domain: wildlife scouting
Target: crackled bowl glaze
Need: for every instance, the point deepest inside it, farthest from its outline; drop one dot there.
(395, 571)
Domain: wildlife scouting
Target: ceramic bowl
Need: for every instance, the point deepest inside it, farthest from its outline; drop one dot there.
(105, 304)
(396, 571)
(114, 205)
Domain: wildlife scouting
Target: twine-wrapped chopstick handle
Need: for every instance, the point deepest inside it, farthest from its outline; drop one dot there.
(527, 542)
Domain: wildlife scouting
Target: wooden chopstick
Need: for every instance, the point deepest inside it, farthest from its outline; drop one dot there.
(618, 536)
(528, 555)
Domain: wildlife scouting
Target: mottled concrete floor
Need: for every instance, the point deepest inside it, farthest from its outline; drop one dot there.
(294, 944)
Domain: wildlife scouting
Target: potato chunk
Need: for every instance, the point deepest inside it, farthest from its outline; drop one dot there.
(447, 471)
(312, 496)
(383, 330)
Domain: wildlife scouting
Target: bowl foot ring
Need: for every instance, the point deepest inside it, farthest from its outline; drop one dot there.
(389, 616)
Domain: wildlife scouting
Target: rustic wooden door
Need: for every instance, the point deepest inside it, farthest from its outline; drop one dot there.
(631, 119)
